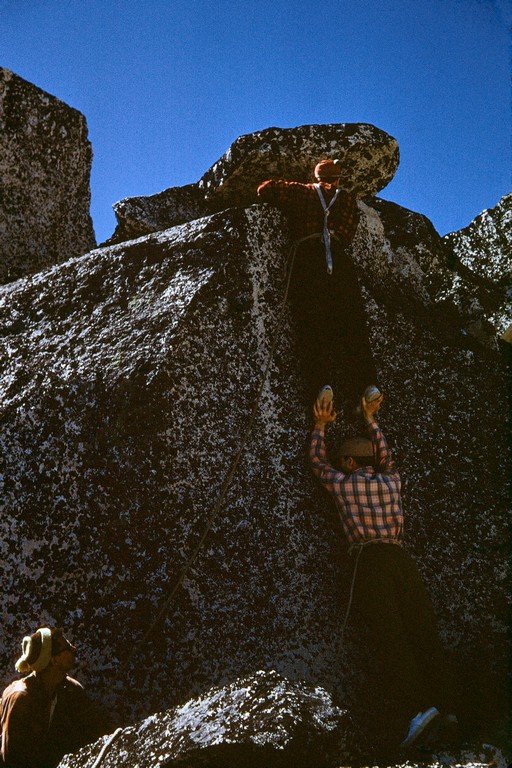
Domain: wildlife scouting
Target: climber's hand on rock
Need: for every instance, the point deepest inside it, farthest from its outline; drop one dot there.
(324, 413)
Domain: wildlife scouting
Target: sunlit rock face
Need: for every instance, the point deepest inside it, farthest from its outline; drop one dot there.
(369, 159)
(482, 289)
(261, 720)
(128, 377)
(45, 163)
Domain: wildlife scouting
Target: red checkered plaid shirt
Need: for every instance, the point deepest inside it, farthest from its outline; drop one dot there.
(368, 500)
(302, 207)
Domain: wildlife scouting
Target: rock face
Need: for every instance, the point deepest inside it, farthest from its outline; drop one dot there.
(262, 720)
(482, 252)
(455, 281)
(369, 157)
(45, 163)
(128, 376)
(128, 379)
(138, 216)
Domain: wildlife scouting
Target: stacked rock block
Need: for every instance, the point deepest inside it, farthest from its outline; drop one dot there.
(128, 376)
(45, 163)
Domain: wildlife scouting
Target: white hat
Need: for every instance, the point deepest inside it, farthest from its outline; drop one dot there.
(40, 641)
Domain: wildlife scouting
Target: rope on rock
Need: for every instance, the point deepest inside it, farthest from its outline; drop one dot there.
(103, 751)
(227, 482)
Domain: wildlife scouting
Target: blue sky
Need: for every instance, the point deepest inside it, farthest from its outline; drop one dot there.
(168, 85)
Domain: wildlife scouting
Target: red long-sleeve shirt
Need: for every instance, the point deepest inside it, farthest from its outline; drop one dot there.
(369, 499)
(301, 205)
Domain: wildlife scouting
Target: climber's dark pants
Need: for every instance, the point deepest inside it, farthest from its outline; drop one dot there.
(330, 321)
(390, 596)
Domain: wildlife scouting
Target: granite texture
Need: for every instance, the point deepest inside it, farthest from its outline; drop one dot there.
(461, 281)
(482, 285)
(369, 159)
(261, 720)
(127, 378)
(141, 215)
(45, 164)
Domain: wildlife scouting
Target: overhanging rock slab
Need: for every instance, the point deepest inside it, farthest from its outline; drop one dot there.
(369, 159)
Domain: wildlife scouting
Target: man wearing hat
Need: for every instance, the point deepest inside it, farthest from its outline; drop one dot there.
(325, 296)
(46, 714)
(387, 588)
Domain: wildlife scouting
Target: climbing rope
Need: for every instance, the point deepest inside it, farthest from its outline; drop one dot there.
(229, 477)
(105, 748)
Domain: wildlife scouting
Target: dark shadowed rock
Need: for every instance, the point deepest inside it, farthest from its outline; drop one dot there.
(260, 721)
(128, 376)
(369, 159)
(45, 164)
(138, 216)
(482, 255)
(413, 232)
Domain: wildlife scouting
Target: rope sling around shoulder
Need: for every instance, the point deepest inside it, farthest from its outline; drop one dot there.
(326, 232)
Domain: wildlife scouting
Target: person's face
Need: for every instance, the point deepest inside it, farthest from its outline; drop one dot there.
(65, 653)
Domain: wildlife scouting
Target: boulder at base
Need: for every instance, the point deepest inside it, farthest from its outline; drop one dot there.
(260, 721)
(45, 165)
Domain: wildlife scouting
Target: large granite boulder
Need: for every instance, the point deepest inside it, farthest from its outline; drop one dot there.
(45, 164)
(128, 377)
(481, 288)
(369, 157)
(259, 721)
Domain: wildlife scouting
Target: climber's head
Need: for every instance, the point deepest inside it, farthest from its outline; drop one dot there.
(328, 171)
(356, 452)
(44, 648)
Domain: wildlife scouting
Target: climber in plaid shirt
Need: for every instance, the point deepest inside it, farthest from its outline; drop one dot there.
(387, 587)
(367, 497)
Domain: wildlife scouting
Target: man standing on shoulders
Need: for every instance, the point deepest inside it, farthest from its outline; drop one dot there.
(325, 297)
(387, 588)
(46, 714)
